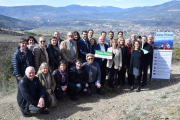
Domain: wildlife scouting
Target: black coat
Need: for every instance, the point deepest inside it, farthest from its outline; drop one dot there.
(57, 78)
(136, 61)
(19, 63)
(82, 49)
(24, 98)
(75, 77)
(54, 58)
(147, 56)
(124, 57)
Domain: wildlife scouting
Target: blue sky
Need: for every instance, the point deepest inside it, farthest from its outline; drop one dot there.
(61, 3)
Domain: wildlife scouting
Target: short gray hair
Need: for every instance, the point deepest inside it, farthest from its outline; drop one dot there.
(70, 33)
(101, 36)
(29, 67)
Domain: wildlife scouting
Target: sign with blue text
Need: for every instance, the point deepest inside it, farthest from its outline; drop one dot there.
(163, 40)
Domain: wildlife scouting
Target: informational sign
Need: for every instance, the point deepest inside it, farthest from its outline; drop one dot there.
(161, 64)
(163, 40)
(103, 54)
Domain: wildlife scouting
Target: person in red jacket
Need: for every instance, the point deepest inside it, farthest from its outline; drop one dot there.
(128, 44)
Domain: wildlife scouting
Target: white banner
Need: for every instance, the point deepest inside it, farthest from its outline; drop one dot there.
(162, 64)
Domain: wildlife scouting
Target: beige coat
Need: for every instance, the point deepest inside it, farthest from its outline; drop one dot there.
(39, 57)
(117, 59)
(65, 50)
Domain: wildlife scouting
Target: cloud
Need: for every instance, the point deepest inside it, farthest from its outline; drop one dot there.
(119, 0)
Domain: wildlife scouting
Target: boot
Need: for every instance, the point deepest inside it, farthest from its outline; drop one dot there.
(138, 89)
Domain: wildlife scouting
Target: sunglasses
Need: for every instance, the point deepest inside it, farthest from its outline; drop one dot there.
(42, 41)
(90, 59)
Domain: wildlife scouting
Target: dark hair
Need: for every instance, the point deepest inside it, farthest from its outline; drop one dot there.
(94, 40)
(51, 39)
(120, 32)
(79, 60)
(22, 40)
(31, 37)
(91, 30)
(63, 62)
(144, 36)
(139, 37)
(111, 32)
(76, 32)
(84, 31)
(133, 47)
(103, 32)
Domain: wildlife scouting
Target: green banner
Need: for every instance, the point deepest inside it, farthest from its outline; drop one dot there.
(103, 54)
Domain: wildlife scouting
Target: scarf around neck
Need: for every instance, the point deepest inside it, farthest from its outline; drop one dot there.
(63, 77)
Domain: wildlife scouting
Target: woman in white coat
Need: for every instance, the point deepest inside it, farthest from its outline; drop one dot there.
(114, 65)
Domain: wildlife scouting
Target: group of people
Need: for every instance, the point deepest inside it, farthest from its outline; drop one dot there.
(45, 71)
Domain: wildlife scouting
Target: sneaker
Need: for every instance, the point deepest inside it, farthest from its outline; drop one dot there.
(138, 89)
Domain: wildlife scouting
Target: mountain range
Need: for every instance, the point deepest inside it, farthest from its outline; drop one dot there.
(167, 13)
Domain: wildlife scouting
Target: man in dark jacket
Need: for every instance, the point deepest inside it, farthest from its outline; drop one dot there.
(146, 58)
(83, 46)
(22, 58)
(79, 77)
(31, 95)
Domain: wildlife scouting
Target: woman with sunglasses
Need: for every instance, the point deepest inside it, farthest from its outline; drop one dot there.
(94, 73)
(54, 53)
(40, 53)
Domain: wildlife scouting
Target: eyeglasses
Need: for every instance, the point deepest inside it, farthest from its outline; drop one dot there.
(42, 41)
(90, 59)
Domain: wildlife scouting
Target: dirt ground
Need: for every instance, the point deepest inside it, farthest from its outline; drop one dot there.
(158, 100)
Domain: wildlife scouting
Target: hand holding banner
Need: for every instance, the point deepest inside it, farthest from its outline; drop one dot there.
(103, 54)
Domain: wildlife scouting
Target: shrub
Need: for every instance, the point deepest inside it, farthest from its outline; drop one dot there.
(7, 81)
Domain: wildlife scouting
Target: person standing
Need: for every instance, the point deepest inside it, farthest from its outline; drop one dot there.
(150, 41)
(128, 45)
(40, 53)
(133, 37)
(22, 58)
(136, 65)
(146, 57)
(54, 53)
(32, 42)
(120, 34)
(111, 36)
(114, 65)
(122, 72)
(69, 50)
(90, 34)
(59, 40)
(102, 61)
(83, 46)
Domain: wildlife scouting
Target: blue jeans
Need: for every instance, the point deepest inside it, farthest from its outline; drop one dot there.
(77, 88)
(89, 88)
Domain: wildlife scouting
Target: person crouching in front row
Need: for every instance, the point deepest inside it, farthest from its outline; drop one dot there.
(79, 77)
(47, 80)
(31, 97)
(94, 73)
(62, 82)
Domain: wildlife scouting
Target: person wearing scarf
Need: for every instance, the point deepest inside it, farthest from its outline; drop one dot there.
(47, 80)
(40, 53)
(122, 72)
(62, 82)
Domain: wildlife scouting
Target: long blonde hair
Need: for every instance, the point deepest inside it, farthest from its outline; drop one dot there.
(41, 66)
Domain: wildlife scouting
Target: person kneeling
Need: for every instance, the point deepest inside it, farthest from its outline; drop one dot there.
(78, 76)
(31, 95)
(62, 82)
(94, 73)
(47, 80)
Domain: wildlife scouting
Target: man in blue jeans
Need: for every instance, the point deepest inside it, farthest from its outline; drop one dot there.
(78, 76)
